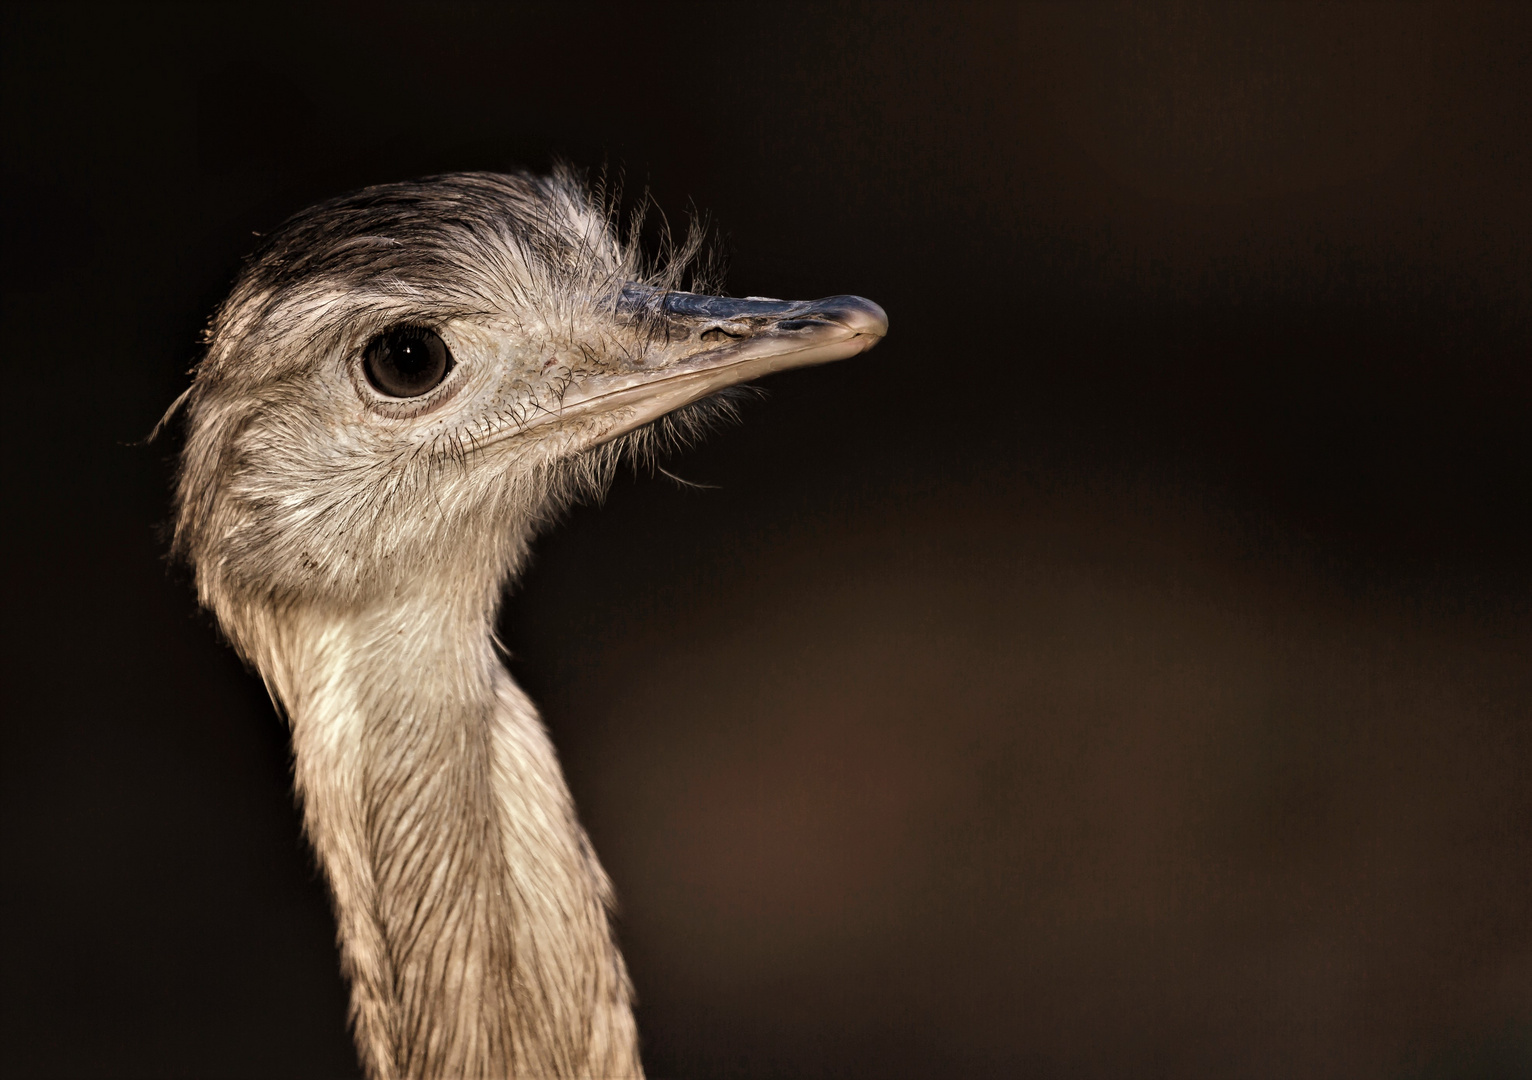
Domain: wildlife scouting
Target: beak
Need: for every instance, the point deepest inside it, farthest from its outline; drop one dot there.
(698, 345)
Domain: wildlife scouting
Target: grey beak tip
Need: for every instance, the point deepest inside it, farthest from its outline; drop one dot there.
(857, 314)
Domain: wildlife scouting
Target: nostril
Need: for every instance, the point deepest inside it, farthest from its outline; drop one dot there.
(715, 334)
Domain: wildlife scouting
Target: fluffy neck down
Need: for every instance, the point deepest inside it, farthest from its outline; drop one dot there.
(472, 910)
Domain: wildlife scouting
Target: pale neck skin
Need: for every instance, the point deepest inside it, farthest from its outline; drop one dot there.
(472, 910)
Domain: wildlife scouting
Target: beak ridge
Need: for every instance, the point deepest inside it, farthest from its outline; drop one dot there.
(759, 315)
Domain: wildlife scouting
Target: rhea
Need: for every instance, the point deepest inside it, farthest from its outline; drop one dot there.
(404, 384)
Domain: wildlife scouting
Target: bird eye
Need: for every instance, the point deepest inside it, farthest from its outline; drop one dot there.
(406, 361)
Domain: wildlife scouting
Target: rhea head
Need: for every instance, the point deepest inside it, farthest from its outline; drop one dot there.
(405, 380)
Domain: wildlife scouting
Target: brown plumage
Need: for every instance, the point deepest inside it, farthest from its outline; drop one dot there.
(403, 386)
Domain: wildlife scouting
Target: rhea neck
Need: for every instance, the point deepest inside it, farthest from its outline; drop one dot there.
(472, 912)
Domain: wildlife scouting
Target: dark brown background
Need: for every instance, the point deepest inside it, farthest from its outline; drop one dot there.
(1126, 670)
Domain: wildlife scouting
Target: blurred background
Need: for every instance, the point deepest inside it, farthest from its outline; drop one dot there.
(1125, 670)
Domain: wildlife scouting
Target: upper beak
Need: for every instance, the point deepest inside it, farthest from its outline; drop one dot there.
(702, 344)
(757, 316)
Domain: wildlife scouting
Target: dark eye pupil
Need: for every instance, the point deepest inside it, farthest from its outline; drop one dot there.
(406, 361)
